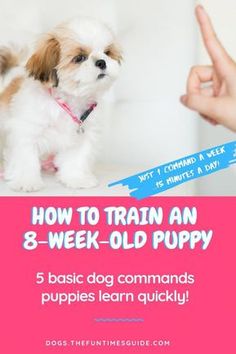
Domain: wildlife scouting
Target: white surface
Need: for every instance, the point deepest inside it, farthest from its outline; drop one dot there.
(149, 125)
(106, 174)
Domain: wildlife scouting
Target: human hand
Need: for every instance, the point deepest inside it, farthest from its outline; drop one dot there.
(216, 102)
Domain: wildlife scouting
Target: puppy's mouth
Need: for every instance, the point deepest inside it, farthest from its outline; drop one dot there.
(101, 76)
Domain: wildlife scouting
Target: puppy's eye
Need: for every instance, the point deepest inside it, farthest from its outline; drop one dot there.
(108, 52)
(79, 59)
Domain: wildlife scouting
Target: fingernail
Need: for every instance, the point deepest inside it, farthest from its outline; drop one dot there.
(200, 6)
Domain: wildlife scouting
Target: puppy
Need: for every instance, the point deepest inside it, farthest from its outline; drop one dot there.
(49, 103)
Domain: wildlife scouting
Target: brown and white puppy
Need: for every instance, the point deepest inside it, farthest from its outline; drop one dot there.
(43, 102)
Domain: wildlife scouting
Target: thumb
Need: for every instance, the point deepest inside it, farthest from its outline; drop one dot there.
(204, 105)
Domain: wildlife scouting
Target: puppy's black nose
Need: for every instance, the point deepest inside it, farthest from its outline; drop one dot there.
(101, 64)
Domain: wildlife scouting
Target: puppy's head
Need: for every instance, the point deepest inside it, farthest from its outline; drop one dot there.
(81, 57)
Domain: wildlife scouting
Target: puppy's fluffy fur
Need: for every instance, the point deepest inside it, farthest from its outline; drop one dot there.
(32, 125)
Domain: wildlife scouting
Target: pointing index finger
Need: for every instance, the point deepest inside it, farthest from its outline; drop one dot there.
(212, 43)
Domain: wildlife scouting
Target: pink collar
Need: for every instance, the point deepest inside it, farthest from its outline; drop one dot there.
(79, 120)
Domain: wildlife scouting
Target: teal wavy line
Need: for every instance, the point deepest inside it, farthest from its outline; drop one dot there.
(119, 319)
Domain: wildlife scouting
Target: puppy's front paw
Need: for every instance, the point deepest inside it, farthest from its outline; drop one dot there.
(27, 185)
(76, 182)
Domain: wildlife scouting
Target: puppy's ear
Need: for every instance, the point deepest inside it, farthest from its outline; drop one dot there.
(114, 51)
(8, 59)
(43, 62)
